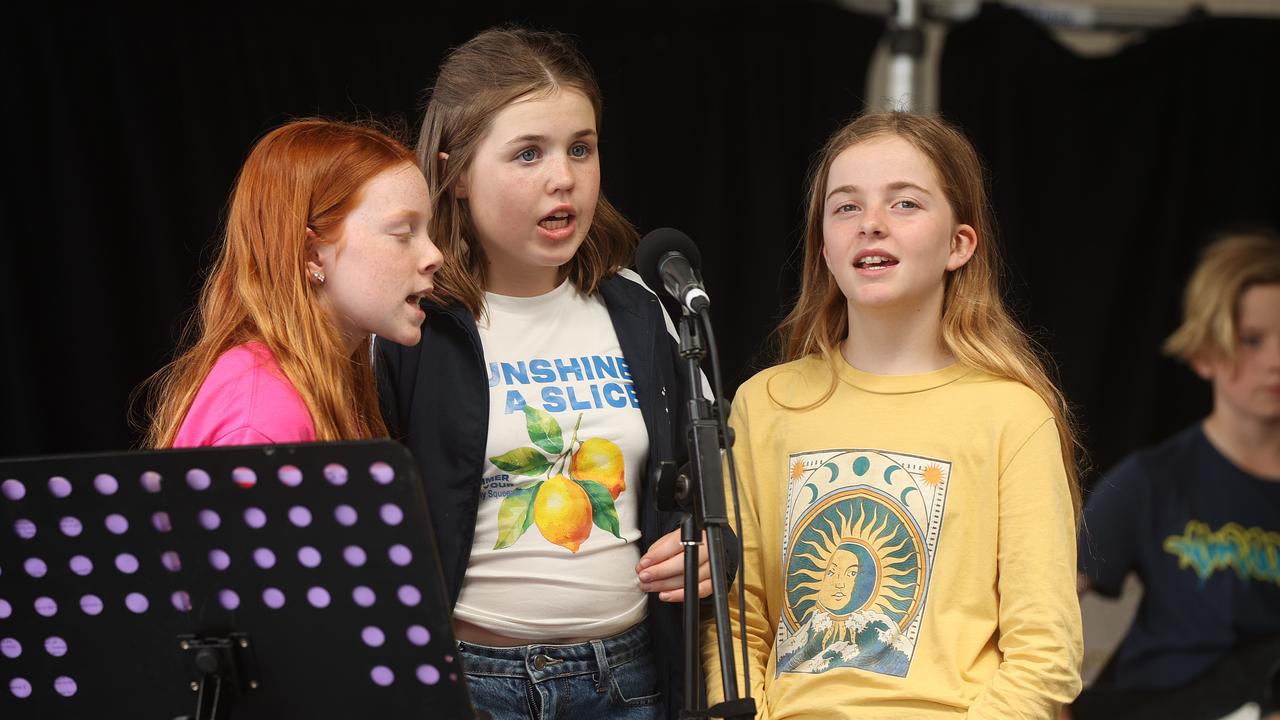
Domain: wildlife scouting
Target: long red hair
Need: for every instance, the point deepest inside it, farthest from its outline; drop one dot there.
(304, 174)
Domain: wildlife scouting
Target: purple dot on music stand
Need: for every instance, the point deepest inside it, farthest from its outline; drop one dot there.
(35, 567)
(13, 489)
(336, 474)
(20, 688)
(105, 484)
(373, 636)
(264, 558)
(55, 646)
(150, 481)
(428, 675)
(354, 555)
(91, 604)
(160, 521)
(381, 473)
(5, 609)
(418, 635)
(409, 595)
(382, 675)
(198, 479)
(181, 601)
(400, 555)
(81, 565)
(65, 686)
(299, 516)
(244, 477)
(45, 607)
(136, 602)
(255, 518)
(126, 563)
(391, 514)
(209, 519)
(59, 487)
(10, 648)
(219, 559)
(170, 560)
(309, 556)
(229, 599)
(318, 597)
(345, 515)
(289, 475)
(24, 528)
(273, 598)
(116, 524)
(70, 526)
(363, 596)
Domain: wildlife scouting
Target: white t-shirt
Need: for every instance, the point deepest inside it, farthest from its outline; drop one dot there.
(554, 552)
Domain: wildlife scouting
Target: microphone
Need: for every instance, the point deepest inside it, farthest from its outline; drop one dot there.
(667, 258)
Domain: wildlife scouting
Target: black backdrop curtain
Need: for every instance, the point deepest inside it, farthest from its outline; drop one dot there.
(124, 130)
(1108, 175)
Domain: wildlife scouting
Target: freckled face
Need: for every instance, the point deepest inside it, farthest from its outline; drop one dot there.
(382, 261)
(889, 235)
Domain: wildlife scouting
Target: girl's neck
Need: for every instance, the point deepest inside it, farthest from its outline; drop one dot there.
(350, 337)
(1250, 444)
(896, 341)
(531, 282)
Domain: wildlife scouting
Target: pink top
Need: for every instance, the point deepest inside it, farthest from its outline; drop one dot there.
(246, 400)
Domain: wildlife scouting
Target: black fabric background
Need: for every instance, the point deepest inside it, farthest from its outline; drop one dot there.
(1108, 175)
(123, 131)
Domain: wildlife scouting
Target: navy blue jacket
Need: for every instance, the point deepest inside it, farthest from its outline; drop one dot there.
(435, 399)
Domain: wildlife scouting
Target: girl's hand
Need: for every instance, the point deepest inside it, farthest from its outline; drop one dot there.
(661, 570)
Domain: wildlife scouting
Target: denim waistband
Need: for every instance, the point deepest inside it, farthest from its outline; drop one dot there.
(543, 662)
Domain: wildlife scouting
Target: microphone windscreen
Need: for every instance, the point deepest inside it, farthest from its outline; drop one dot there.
(657, 243)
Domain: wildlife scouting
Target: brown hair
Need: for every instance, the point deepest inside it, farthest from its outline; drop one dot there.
(476, 81)
(1233, 263)
(307, 173)
(977, 328)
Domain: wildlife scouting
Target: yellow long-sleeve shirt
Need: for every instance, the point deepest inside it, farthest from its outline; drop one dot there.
(909, 547)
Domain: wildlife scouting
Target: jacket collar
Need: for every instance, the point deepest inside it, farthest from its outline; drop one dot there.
(619, 293)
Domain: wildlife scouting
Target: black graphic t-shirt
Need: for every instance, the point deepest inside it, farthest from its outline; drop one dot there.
(1203, 536)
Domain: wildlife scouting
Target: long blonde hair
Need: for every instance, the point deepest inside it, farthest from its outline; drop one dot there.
(476, 81)
(305, 174)
(977, 328)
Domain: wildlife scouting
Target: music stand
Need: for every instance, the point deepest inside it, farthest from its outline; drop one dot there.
(247, 582)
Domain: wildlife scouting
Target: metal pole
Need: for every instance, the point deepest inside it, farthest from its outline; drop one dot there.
(906, 47)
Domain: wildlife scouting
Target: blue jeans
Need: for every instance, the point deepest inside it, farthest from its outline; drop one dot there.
(609, 678)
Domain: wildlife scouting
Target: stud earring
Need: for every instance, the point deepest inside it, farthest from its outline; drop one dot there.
(319, 276)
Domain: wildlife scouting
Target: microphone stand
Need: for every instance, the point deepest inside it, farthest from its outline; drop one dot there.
(699, 491)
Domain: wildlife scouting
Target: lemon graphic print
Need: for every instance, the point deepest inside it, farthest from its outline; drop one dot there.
(599, 460)
(562, 512)
(581, 481)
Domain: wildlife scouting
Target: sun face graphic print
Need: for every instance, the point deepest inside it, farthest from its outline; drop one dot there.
(855, 555)
(861, 530)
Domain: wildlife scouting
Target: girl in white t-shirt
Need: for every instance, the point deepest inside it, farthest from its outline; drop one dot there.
(542, 396)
